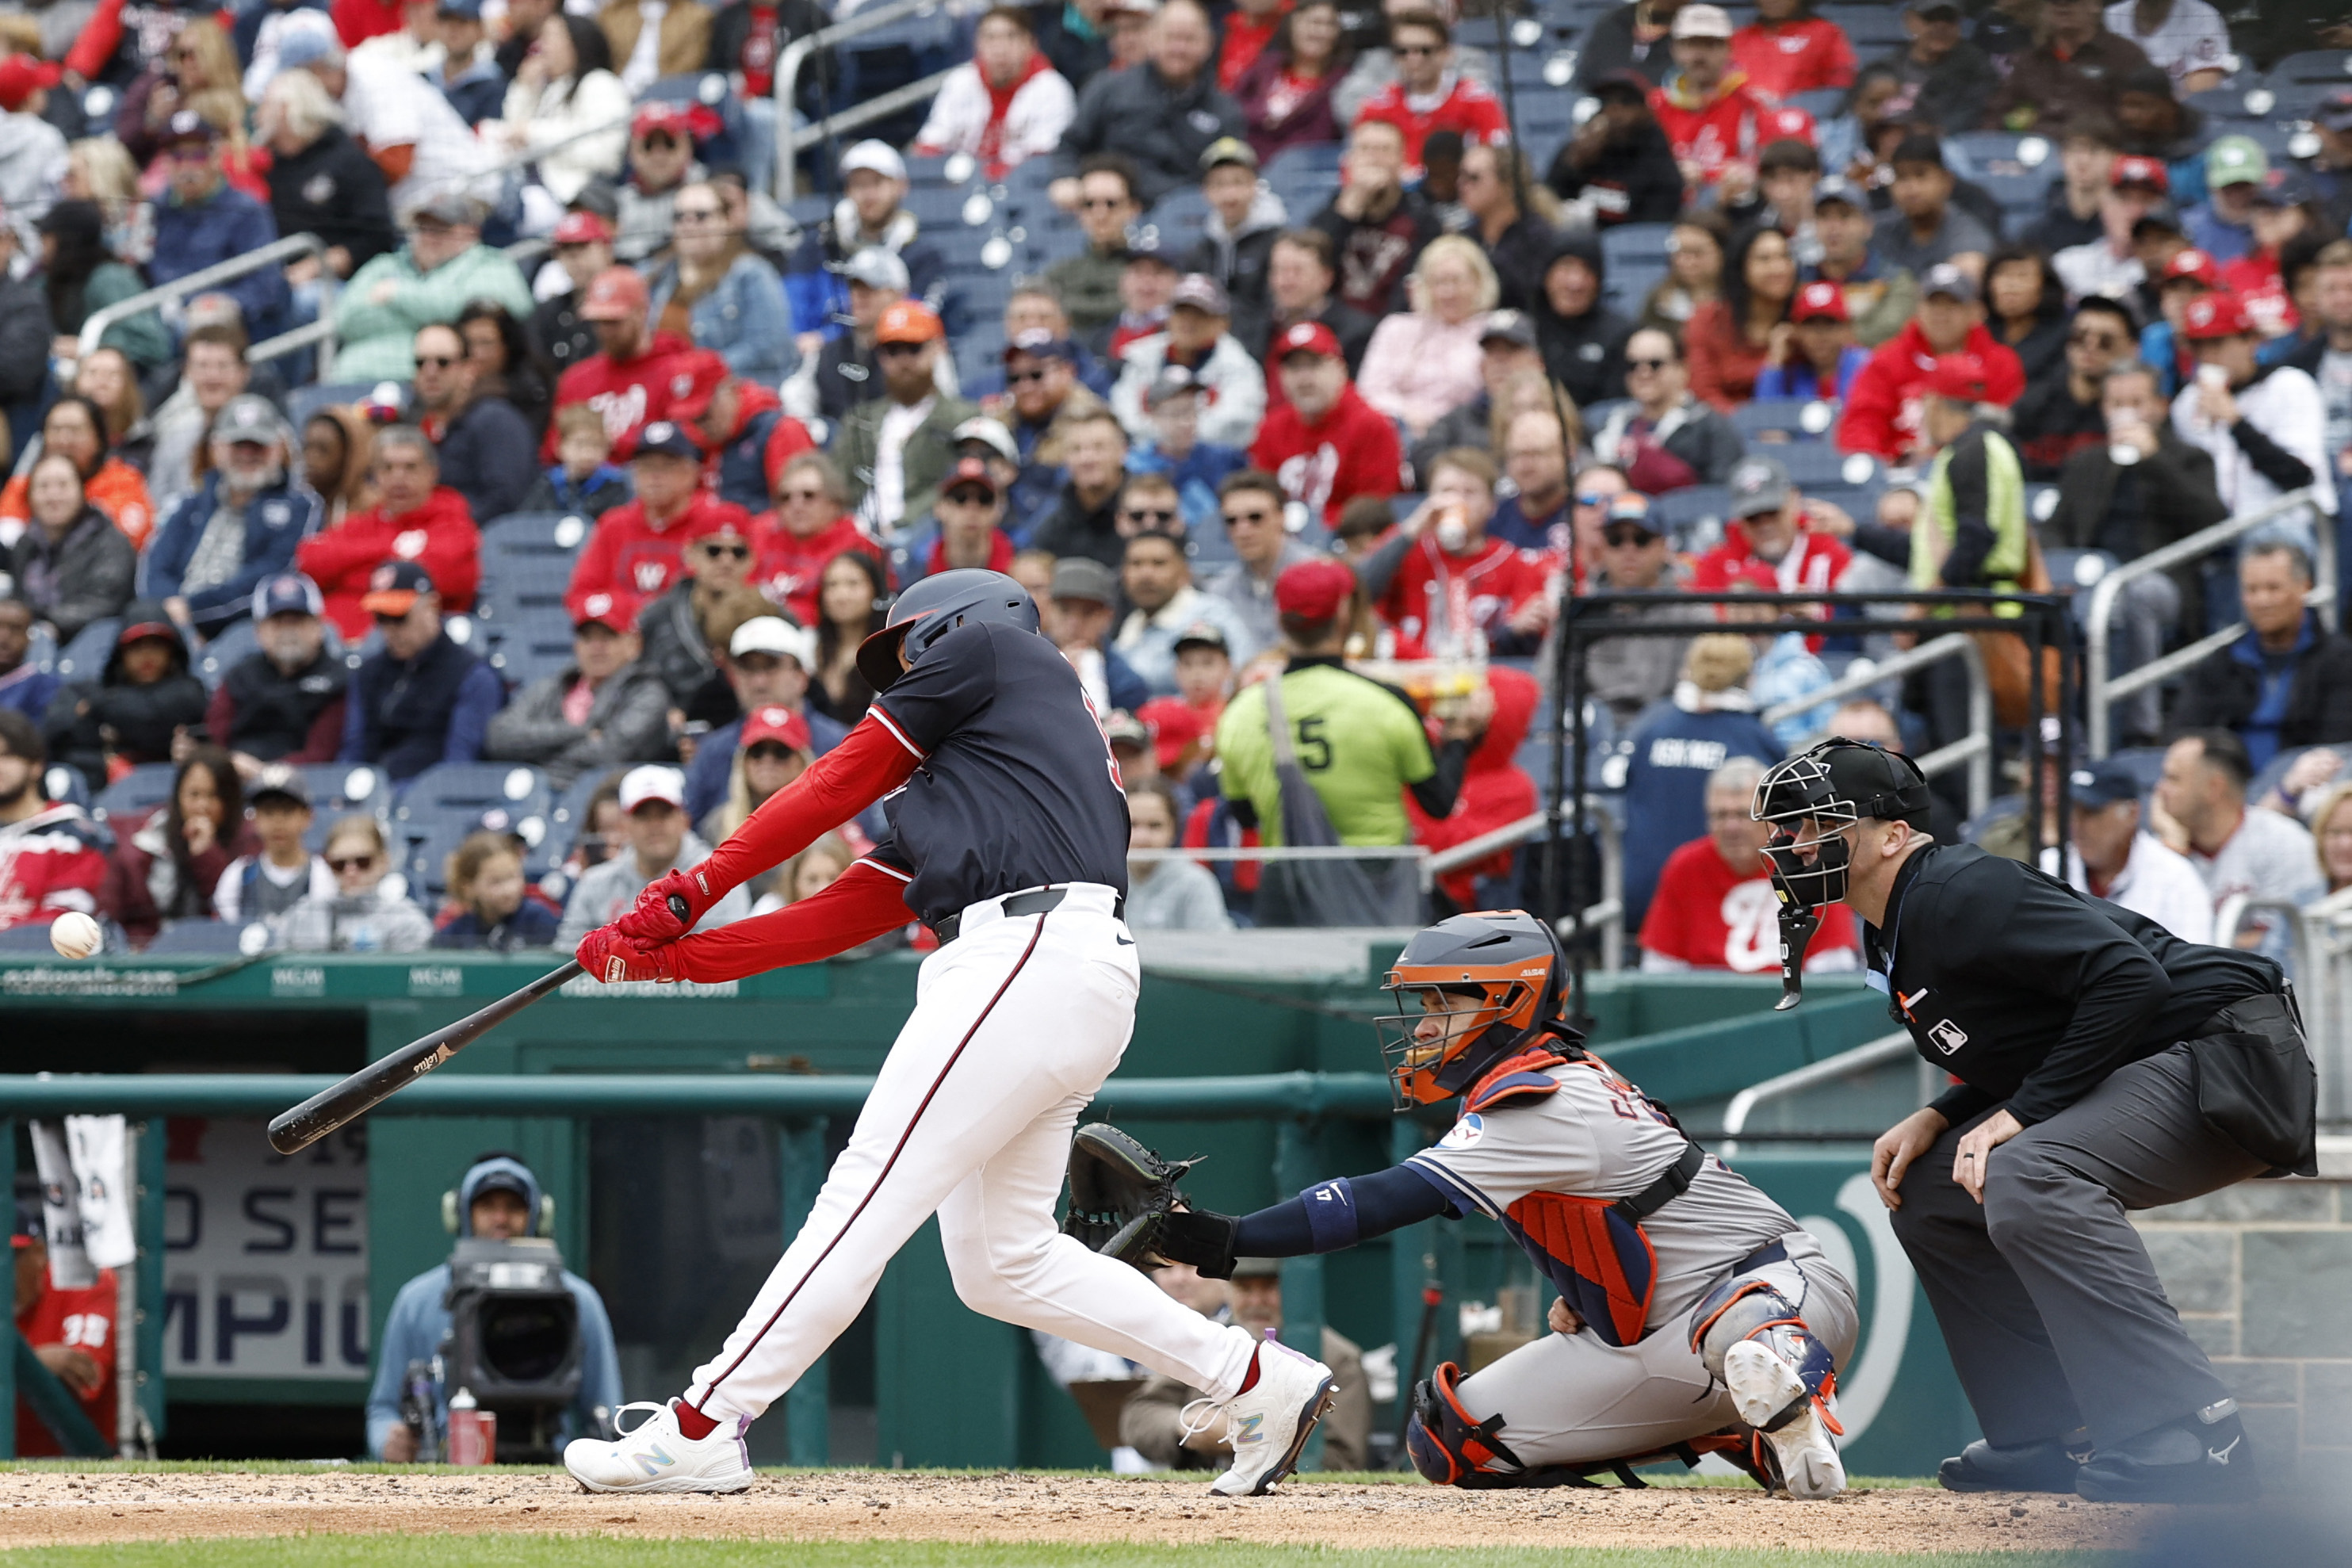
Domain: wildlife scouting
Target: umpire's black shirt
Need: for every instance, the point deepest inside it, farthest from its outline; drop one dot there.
(2030, 992)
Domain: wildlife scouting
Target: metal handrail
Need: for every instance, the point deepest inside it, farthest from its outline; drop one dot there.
(195, 282)
(2319, 941)
(1875, 1053)
(796, 55)
(321, 331)
(1285, 852)
(880, 108)
(1975, 748)
(2100, 690)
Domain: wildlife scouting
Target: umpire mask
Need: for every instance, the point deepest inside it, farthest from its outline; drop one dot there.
(1812, 799)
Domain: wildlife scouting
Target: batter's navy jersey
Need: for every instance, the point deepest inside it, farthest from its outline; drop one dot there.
(1016, 788)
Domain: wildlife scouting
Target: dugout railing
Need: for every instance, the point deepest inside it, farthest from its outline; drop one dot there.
(2103, 687)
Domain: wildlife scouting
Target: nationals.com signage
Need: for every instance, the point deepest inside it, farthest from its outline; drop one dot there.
(266, 1254)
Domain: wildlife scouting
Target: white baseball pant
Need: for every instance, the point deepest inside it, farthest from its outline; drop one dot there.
(1016, 1024)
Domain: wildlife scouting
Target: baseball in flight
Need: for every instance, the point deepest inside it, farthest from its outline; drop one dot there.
(74, 935)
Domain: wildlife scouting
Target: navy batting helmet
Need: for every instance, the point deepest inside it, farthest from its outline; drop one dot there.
(936, 606)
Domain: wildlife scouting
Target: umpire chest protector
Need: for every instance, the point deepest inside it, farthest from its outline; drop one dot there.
(1592, 1249)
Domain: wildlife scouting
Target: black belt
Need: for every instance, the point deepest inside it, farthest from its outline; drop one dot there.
(1036, 901)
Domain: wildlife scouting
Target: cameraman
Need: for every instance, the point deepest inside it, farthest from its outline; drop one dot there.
(498, 1199)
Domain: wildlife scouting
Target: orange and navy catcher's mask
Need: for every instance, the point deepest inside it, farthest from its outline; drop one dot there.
(1494, 979)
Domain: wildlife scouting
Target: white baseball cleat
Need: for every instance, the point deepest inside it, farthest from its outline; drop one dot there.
(655, 1457)
(1271, 1423)
(1763, 1386)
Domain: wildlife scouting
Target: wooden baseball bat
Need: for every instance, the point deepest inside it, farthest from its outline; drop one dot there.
(342, 1103)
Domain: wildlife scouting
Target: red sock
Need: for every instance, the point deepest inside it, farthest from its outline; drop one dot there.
(1249, 1378)
(692, 1422)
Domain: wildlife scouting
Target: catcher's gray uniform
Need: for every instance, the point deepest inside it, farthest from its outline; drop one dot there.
(1535, 1161)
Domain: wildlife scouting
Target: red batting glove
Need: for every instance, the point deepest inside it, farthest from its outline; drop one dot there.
(651, 920)
(611, 956)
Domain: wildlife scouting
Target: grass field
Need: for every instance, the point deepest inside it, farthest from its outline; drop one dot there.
(545, 1552)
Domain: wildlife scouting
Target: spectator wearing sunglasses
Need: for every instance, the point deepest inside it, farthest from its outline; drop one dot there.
(1157, 583)
(1630, 673)
(638, 550)
(1663, 437)
(808, 527)
(360, 915)
(487, 448)
(1043, 396)
(2059, 413)
(604, 710)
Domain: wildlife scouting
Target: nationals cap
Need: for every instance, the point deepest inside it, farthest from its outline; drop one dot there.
(1947, 280)
(695, 378)
(1308, 338)
(1315, 590)
(601, 610)
(1199, 291)
(665, 439)
(2216, 315)
(2145, 173)
(281, 779)
(774, 723)
(1785, 125)
(1960, 377)
(288, 594)
(969, 473)
(1821, 302)
(1508, 326)
(616, 294)
(21, 76)
(2195, 264)
(581, 229)
(394, 587)
(1759, 485)
(2102, 784)
(652, 783)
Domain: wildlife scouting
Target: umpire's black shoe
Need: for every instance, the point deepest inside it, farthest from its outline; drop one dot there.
(2022, 1467)
(2199, 1458)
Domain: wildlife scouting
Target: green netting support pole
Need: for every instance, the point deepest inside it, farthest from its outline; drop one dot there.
(807, 1419)
(1302, 1278)
(152, 1140)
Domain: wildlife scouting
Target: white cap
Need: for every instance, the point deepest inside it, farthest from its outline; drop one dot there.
(653, 782)
(878, 157)
(1701, 22)
(981, 427)
(774, 633)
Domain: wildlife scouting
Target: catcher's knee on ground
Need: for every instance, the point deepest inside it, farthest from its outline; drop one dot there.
(1746, 1307)
(1453, 1446)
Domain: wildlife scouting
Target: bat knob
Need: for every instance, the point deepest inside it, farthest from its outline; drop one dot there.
(677, 907)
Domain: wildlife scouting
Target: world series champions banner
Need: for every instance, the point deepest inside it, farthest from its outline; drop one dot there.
(266, 1271)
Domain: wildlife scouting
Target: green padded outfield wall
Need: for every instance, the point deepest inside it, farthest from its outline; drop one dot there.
(944, 1386)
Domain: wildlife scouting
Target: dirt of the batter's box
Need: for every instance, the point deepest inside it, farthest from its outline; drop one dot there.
(53, 1508)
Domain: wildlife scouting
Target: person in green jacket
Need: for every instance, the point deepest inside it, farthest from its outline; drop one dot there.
(896, 448)
(80, 279)
(1972, 531)
(444, 268)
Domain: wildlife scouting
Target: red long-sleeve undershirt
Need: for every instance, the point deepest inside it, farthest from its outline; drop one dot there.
(871, 762)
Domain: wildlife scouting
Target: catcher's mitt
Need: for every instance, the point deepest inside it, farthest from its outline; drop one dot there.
(1121, 1195)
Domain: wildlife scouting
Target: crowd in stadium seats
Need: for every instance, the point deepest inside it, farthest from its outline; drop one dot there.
(1248, 335)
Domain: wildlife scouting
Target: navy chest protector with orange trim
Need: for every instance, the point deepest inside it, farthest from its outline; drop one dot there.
(1593, 1250)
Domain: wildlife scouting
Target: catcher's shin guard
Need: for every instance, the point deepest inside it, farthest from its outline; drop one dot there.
(1452, 1448)
(1747, 1308)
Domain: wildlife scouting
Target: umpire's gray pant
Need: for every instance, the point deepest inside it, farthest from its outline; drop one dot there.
(2051, 1311)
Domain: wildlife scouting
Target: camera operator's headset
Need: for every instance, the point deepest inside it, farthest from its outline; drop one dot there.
(497, 1162)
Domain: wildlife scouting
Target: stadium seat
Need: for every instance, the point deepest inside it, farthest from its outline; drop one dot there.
(84, 658)
(218, 655)
(31, 938)
(1802, 419)
(474, 787)
(2005, 152)
(1319, 158)
(1635, 244)
(527, 643)
(196, 937)
(340, 789)
(305, 401)
(1818, 467)
(1630, 284)
(571, 813)
(2333, 67)
(140, 791)
(65, 785)
(1693, 517)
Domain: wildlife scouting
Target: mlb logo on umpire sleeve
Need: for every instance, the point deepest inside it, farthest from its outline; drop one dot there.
(1949, 1036)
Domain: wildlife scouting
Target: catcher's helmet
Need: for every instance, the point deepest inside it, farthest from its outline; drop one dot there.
(1813, 797)
(1505, 966)
(936, 606)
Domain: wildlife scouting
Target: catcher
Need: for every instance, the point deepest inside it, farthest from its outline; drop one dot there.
(1694, 1316)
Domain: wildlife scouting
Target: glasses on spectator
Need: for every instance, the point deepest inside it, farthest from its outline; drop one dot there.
(439, 361)
(2096, 340)
(969, 497)
(659, 141)
(1023, 377)
(1161, 515)
(384, 620)
(1627, 534)
(893, 351)
(715, 548)
(1595, 498)
(1258, 516)
(1647, 363)
(351, 863)
(800, 495)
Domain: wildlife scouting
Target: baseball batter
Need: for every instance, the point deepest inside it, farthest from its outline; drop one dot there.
(1693, 1315)
(1008, 836)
